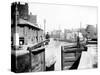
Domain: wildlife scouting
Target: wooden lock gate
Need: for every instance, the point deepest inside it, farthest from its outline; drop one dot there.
(31, 59)
(70, 56)
(37, 51)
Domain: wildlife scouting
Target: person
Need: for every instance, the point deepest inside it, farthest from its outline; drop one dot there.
(78, 41)
(47, 36)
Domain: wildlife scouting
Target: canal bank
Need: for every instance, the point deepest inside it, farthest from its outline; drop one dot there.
(89, 59)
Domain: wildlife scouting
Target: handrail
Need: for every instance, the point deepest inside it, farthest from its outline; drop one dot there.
(38, 45)
(31, 48)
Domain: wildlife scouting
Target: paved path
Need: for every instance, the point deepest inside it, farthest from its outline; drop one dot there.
(52, 54)
(88, 58)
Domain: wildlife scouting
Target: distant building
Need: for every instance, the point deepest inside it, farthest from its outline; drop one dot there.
(56, 33)
(72, 34)
(91, 32)
(68, 34)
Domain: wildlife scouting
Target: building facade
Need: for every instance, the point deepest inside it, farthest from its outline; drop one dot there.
(25, 25)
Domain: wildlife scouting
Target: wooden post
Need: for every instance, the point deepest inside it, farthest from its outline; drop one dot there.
(30, 59)
(61, 57)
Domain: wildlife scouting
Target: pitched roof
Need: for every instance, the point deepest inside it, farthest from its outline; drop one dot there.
(22, 22)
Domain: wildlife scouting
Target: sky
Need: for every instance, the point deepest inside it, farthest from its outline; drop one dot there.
(63, 16)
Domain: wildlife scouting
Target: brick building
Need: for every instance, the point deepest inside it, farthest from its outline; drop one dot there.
(22, 10)
(24, 25)
(32, 18)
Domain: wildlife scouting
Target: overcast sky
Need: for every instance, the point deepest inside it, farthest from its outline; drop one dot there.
(63, 16)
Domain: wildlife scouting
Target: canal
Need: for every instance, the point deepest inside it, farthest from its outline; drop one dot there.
(53, 55)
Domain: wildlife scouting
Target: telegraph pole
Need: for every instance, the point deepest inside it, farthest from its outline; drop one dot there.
(16, 14)
(44, 26)
(59, 31)
(16, 41)
(80, 26)
(16, 38)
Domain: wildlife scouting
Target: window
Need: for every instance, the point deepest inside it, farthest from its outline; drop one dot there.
(21, 41)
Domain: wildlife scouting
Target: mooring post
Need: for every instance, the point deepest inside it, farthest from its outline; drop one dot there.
(30, 59)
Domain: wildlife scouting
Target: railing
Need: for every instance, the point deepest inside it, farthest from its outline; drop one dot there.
(38, 45)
